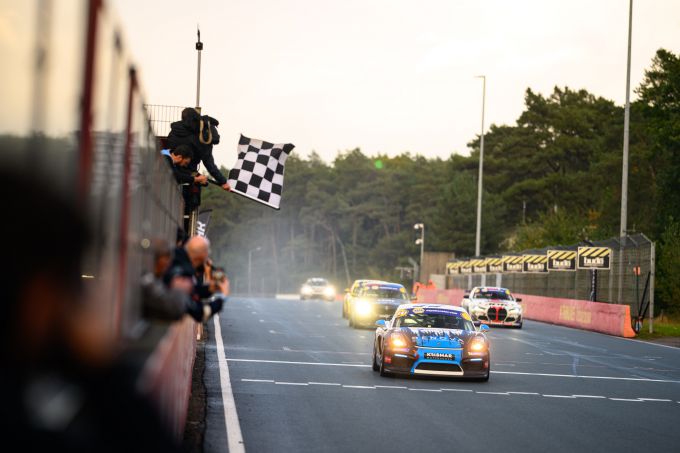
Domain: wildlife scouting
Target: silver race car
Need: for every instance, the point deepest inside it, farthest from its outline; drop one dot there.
(493, 306)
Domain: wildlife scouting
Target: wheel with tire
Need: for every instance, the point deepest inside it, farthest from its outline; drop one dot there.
(374, 364)
(383, 372)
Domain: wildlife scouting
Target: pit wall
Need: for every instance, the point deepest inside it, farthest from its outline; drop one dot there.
(612, 319)
(168, 372)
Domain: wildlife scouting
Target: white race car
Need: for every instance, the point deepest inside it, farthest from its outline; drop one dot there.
(493, 306)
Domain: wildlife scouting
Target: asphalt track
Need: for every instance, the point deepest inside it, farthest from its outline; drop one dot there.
(302, 381)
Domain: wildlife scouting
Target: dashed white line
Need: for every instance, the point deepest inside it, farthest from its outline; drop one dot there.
(457, 390)
(261, 320)
(390, 387)
(257, 380)
(288, 362)
(323, 383)
(359, 387)
(425, 390)
(656, 399)
(559, 396)
(635, 400)
(523, 393)
(589, 396)
(290, 383)
(493, 393)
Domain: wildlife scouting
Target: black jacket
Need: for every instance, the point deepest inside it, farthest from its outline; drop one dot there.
(187, 131)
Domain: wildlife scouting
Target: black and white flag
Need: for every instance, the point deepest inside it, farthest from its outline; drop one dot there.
(258, 171)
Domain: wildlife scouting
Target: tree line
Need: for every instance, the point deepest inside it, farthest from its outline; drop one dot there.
(552, 178)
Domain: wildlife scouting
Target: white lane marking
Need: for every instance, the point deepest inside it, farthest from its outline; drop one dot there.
(360, 387)
(636, 400)
(234, 437)
(493, 393)
(613, 378)
(286, 348)
(519, 373)
(323, 383)
(559, 396)
(649, 342)
(254, 312)
(457, 390)
(655, 399)
(257, 380)
(273, 332)
(390, 387)
(523, 393)
(425, 390)
(589, 396)
(261, 320)
(291, 383)
(287, 362)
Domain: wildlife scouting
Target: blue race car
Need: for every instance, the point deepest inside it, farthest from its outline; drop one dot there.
(431, 339)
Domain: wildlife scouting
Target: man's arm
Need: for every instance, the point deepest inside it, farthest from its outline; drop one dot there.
(215, 172)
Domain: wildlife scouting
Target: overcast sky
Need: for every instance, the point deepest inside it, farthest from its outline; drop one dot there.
(387, 76)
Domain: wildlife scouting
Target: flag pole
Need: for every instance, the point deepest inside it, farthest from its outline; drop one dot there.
(199, 48)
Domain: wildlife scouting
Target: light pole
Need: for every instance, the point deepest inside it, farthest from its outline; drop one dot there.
(250, 259)
(481, 166)
(421, 242)
(624, 175)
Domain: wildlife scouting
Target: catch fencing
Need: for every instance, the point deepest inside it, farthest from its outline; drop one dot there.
(628, 281)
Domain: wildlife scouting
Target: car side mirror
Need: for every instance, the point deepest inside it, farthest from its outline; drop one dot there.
(519, 299)
(381, 323)
(483, 328)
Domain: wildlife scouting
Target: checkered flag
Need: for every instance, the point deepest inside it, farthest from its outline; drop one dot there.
(258, 172)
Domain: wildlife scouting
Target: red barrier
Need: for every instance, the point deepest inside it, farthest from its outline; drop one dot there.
(167, 373)
(612, 319)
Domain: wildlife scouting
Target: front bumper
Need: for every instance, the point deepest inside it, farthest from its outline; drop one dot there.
(317, 295)
(496, 316)
(463, 365)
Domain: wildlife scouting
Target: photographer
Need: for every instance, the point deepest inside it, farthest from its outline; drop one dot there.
(168, 293)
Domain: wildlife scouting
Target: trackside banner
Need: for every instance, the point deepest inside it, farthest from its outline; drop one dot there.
(512, 263)
(535, 263)
(594, 257)
(561, 260)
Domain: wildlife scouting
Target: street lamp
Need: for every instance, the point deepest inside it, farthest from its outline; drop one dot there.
(420, 241)
(250, 254)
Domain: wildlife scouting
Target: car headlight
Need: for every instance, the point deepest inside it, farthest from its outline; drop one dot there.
(363, 307)
(397, 341)
(329, 291)
(478, 345)
(306, 290)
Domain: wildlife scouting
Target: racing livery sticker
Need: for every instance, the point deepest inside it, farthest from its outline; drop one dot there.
(418, 310)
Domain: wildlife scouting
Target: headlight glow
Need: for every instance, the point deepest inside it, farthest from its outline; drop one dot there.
(477, 345)
(363, 307)
(329, 291)
(306, 290)
(398, 342)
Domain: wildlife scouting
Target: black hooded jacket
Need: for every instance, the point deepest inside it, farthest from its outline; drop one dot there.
(187, 132)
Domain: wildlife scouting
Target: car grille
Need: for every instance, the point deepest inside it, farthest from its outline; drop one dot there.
(497, 314)
(442, 367)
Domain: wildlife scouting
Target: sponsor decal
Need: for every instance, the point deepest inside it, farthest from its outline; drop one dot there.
(594, 257)
(401, 313)
(467, 316)
(439, 356)
(418, 310)
(561, 260)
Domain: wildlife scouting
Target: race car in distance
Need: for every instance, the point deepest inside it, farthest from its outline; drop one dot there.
(493, 306)
(352, 293)
(431, 339)
(376, 300)
(317, 288)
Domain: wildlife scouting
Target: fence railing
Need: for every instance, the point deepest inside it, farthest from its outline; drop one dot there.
(629, 279)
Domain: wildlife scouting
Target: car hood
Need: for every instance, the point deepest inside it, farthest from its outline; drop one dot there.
(438, 338)
(392, 302)
(499, 302)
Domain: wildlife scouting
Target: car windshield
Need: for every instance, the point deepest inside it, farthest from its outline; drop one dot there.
(317, 282)
(433, 319)
(493, 294)
(384, 293)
